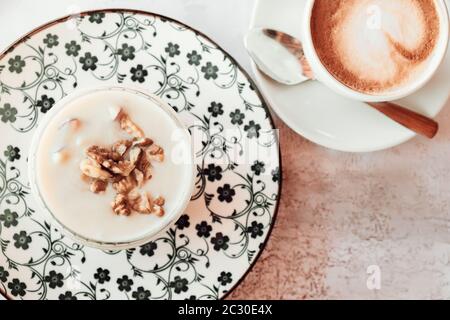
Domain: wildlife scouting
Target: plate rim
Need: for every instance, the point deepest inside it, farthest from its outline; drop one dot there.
(252, 81)
(317, 139)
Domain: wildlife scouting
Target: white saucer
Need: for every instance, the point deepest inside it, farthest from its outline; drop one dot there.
(328, 119)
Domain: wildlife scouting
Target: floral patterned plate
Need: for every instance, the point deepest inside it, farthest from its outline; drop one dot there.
(211, 247)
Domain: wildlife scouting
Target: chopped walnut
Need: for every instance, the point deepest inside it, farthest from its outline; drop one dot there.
(144, 204)
(121, 205)
(135, 152)
(159, 201)
(128, 125)
(114, 112)
(125, 185)
(127, 166)
(133, 197)
(158, 210)
(98, 186)
(92, 169)
(122, 168)
(138, 177)
(100, 154)
(61, 156)
(140, 203)
(75, 124)
(144, 165)
(157, 207)
(121, 147)
(156, 153)
(142, 142)
(113, 161)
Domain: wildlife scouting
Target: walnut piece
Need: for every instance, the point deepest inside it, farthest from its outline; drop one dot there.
(98, 186)
(128, 125)
(144, 165)
(140, 203)
(138, 177)
(157, 208)
(127, 166)
(123, 167)
(145, 204)
(114, 112)
(142, 142)
(61, 156)
(155, 153)
(100, 154)
(75, 124)
(92, 169)
(121, 205)
(122, 146)
(113, 161)
(135, 152)
(125, 185)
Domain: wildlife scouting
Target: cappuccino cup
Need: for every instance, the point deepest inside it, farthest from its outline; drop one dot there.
(375, 50)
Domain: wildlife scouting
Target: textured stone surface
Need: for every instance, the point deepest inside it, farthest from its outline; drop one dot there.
(341, 213)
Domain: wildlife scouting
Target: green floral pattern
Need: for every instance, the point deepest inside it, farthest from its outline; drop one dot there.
(9, 218)
(138, 73)
(210, 71)
(89, 62)
(16, 64)
(126, 52)
(45, 103)
(96, 17)
(7, 113)
(211, 246)
(72, 48)
(172, 49)
(12, 153)
(51, 40)
(194, 58)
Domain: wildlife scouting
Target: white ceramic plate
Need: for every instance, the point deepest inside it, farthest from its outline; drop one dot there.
(328, 119)
(222, 232)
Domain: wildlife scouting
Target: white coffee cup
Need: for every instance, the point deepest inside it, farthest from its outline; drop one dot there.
(323, 75)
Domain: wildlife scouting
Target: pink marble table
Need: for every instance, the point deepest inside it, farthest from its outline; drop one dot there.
(341, 213)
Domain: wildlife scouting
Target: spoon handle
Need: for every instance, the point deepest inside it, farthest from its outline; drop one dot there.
(412, 120)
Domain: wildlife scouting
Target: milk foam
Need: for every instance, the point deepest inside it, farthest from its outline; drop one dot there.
(375, 44)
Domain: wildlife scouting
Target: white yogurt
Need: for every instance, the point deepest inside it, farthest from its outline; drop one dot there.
(57, 174)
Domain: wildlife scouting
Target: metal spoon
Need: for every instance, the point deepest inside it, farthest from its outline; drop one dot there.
(280, 56)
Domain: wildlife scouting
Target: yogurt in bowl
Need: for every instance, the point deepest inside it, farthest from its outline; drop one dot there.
(112, 166)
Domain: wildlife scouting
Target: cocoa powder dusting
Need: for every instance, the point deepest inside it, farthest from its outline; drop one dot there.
(326, 18)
